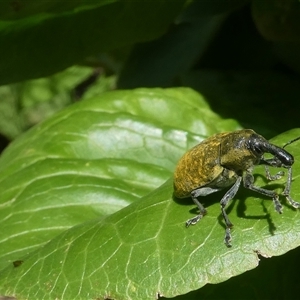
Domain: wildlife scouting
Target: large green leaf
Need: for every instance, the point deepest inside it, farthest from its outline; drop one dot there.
(144, 250)
(39, 39)
(96, 157)
(93, 159)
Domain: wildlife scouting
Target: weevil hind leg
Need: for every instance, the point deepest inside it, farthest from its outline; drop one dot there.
(202, 213)
(203, 191)
(287, 190)
(202, 210)
(224, 201)
(249, 184)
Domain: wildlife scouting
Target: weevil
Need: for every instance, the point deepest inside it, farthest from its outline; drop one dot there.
(225, 160)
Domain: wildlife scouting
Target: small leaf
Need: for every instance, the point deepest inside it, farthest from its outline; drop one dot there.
(50, 36)
(277, 20)
(28, 103)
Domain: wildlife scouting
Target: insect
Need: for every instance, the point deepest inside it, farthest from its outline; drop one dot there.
(225, 160)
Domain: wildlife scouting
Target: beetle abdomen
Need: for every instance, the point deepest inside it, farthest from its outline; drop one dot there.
(198, 167)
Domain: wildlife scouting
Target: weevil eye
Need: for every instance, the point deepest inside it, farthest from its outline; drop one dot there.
(256, 145)
(257, 150)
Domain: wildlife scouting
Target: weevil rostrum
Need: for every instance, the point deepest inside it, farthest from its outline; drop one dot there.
(225, 160)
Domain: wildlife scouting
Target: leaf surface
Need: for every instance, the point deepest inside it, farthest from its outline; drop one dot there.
(92, 159)
(81, 166)
(144, 250)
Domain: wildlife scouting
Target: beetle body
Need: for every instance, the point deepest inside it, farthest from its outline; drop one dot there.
(225, 160)
(205, 164)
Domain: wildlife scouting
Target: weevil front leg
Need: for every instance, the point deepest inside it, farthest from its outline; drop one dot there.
(272, 162)
(249, 184)
(287, 190)
(275, 163)
(277, 176)
(224, 201)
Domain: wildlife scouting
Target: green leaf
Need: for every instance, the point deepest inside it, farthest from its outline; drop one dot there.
(29, 102)
(144, 250)
(44, 38)
(267, 14)
(94, 158)
(75, 166)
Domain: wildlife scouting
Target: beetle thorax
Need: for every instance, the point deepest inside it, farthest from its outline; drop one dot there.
(237, 161)
(235, 154)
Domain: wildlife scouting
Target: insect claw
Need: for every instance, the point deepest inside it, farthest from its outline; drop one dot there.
(292, 202)
(193, 221)
(277, 204)
(276, 176)
(227, 239)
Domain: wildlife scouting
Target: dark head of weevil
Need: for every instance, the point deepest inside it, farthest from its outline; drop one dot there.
(258, 145)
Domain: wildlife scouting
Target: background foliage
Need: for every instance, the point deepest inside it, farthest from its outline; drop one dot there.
(84, 164)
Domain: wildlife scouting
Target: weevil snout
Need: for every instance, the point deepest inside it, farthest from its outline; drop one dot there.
(259, 146)
(286, 159)
(282, 157)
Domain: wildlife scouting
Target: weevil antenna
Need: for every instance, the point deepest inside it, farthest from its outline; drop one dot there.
(292, 141)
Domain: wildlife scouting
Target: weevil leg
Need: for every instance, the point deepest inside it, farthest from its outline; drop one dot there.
(224, 201)
(278, 175)
(249, 184)
(203, 191)
(196, 219)
(287, 190)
